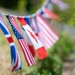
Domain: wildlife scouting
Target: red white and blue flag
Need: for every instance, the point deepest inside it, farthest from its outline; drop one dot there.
(27, 54)
(39, 48)
(45, 33)
(46, 13)
(49, 14)
(16, 63)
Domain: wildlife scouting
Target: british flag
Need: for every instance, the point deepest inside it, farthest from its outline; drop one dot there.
(16, 63)
(27, 54)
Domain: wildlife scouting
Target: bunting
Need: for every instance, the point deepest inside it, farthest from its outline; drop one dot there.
(38, 35)
(27, 54)
(50, 14)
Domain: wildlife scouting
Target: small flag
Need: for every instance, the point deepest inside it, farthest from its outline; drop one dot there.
(27, 54)
(39, 48)
(46, 13)
(50, 14)
(45, 33)
(16, 63)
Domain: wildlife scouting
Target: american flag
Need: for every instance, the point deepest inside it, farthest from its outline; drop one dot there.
(45, 33)
(27, 54)
(16, 63)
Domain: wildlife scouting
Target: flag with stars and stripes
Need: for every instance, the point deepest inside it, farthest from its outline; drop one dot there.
(27, 54)
(16, 63)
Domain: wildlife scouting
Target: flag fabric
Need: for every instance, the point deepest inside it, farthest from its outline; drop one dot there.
(46, 13)
(39, 48)
(27, 54)
(34, 25)
(27, 19)
(50, 14)
(29, 43)
(45, 33)
(16, 63)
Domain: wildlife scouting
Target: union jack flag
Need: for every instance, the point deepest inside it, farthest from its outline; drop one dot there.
(16, 63)
(27, 54)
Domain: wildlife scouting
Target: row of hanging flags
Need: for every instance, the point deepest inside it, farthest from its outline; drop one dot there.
(37, 36)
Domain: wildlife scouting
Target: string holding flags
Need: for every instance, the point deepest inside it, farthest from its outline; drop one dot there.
(38, 34)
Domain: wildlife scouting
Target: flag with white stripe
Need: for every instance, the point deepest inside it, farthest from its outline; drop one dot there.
(49, 14)
(39, 48)
(45, 33)
(30, 45)
(16, 63)
(27, 54)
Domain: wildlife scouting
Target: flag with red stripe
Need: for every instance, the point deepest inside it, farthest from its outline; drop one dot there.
(45, 33)
(49, 14)
(16, 63)
(62, 6)
(27, 54)
(39, 48)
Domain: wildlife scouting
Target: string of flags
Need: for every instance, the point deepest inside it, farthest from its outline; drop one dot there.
(36, 36)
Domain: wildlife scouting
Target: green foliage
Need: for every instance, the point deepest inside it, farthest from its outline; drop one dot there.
(21, 5)
(68, 16)
(33, 6)
(63, 47)
(36, 72)
(52, 65)
(9, 4)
